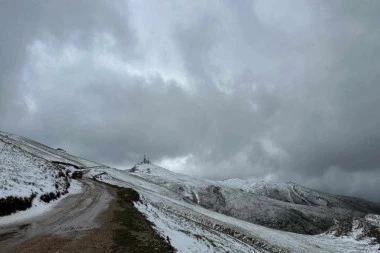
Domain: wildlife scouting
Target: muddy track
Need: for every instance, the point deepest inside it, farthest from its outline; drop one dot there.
(72, 218)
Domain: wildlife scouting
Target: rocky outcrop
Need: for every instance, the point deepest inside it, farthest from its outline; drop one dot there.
(367, 227)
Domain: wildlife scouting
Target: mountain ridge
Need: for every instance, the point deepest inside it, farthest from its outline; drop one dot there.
(305, 216)
(199, 215)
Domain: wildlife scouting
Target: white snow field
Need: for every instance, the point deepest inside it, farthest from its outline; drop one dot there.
(27, 172)
(23, 174)
(195, 215)
(43, 151)
(192, 228)
(39, 207)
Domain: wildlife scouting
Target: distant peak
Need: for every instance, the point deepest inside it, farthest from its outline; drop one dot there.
(145, 161)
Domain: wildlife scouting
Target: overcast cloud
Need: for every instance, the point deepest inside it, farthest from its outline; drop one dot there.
(280, 90)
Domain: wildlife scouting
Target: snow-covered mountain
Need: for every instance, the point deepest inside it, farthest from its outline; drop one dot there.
(191, 211)
(31, 172)
(197, 215)
(335, 206)
(297, 194)
(285, 206)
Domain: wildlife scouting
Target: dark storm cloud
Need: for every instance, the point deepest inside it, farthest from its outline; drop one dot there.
(280, 90)
(23, 21)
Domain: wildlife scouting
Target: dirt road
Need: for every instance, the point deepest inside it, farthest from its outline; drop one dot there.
(72, 219)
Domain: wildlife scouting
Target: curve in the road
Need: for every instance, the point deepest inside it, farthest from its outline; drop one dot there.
(76, 212)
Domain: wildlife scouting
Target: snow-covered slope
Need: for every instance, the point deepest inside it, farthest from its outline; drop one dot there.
(286, 206)
(297, 194)
(22, 174)
(175, 204)
(198, 215)
(45, 152)
(31, 172)
(358, 228)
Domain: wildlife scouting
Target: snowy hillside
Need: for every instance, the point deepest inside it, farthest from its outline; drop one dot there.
(45, 152)
(175, 203)
(197, 215)
(297, 194)
(286, 206)
(28, 173)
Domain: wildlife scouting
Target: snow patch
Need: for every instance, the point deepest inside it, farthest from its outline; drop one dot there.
(39, 207)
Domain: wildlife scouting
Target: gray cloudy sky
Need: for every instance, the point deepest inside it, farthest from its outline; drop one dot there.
(283, 90)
